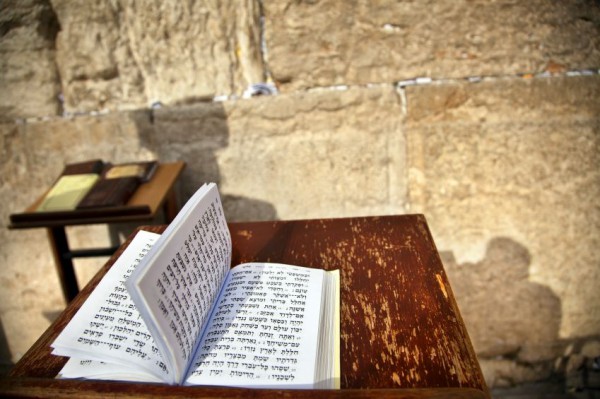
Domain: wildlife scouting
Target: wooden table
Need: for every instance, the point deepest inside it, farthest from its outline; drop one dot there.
(402, 335)
(143, 206)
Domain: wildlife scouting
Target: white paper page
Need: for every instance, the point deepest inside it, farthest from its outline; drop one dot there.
(264, 329)
(182, 276)
(75, 368)
(108, 327)
(328, 372)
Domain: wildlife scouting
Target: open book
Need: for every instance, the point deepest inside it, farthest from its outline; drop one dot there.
(172, 310)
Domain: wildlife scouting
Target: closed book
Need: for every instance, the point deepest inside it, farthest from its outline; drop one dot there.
(142, 170)
(67, 192)
(91, 166)
(110, 192)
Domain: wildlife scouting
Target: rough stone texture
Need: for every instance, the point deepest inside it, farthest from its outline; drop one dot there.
(322, 43)
(28, 75)
(507, 171)
(502, 373)
(529, 334)
(97, 67)
(326, 154)
(510, 184)
(265, 152)
(124, 54)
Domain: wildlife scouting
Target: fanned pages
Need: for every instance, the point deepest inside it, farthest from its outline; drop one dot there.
(108, 326)
(171, 309)
(179, 280)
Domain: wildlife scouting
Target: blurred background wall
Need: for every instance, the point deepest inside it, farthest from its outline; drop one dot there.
(483, 115)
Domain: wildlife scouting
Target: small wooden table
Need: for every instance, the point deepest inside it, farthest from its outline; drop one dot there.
(402, 335)
(143, 206)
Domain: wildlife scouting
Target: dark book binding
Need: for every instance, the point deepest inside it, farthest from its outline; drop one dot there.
(110, 192)
(92, 166)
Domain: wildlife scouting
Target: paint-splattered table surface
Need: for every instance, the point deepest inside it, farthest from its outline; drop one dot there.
(402, 335)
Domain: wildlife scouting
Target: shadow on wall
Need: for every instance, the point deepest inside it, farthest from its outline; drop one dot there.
(195, 134)
(5, 355)
(507, 315)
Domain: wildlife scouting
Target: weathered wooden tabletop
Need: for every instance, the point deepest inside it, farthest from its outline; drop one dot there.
(402, 335)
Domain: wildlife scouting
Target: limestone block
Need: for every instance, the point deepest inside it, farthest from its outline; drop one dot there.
(323, 43)
(189, 50)
(193, 133)
(23, 253)
(95, 61)
(121, 55)
(507, 315)
(318, 154)
(28, 74)
(29, 288)
(493, 161)
(504, 373)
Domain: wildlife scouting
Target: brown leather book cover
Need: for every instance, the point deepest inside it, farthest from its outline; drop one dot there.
(110, 192)
(91, 166)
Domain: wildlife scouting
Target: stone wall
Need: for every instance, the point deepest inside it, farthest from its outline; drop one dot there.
(28, 74)
(483, 116)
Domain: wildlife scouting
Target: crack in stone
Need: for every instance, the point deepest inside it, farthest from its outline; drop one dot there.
(399, 86)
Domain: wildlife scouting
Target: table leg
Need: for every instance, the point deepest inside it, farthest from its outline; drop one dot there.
(63, 262)
(170, 206)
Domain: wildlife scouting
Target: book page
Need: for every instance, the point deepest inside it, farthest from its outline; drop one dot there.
(328, 362)
(93, 369)
(264, 329)
(182, 277)
(108, 327)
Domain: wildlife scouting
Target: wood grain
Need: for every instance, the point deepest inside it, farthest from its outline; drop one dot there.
(402, 333)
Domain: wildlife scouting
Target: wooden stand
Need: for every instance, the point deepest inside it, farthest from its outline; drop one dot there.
(402, 335)
(143, 206)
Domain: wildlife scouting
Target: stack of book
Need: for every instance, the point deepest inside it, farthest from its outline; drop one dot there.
(94, 184)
